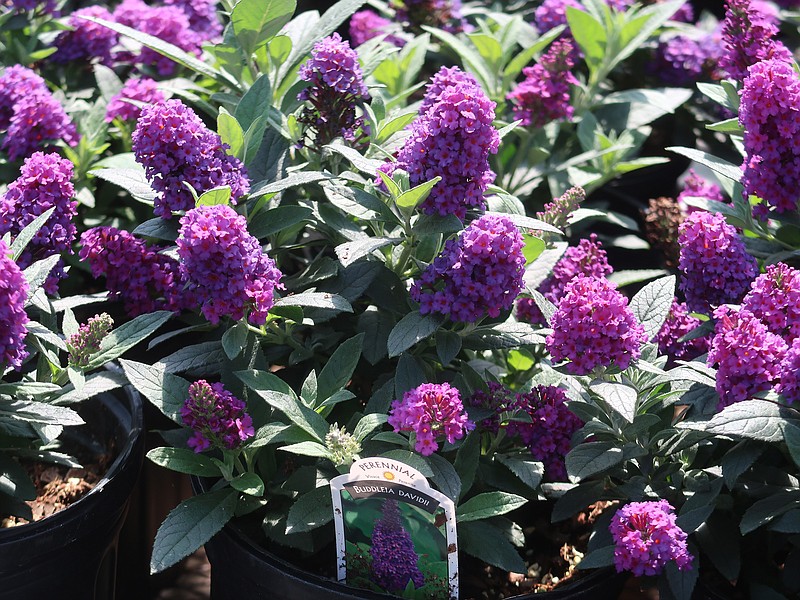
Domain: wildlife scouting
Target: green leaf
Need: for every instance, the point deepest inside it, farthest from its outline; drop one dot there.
(231, 133)
(652, 304)
(339, 368)
(29, 389)
(359, 161)
(205, 356)
(444, 476)
(126, 336)
(263, 188)
(166, 391)
(256, 101)
(37, 274)
(753, 419)
(597, 559)
(681, 581)
(719, 538)
(528, 470)
(590, 35)
(367, 424)
(190, 525)
(467, 458)
(234, 339)
(524, 222)
(307, 448)
(739, 458)
(411, 329)
(533, 248)
(96, 383)
(263, 381)
(412, 198)
(27, 233)
(412, 459)
(270, 222)
(162, 229)
(766, 509)
(436, 224)
(718, 165)
(408, 375)
(184, 461)
(448, 345)
(248, 483)
(471, 58)
(38, 412)
(311, 510)
(133, 181)
(589, 458)
(620, 397)
(255, 22)
(298, 413)
(490, 545)
(629, 276)
(488, 504)
(316, 300)
(169, 50)
(215, 196)
(698, 507)
(350, 252)
(512, 334)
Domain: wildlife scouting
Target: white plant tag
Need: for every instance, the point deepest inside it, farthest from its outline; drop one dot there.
(394, 533)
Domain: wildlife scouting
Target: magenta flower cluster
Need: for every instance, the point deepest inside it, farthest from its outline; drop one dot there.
(677, 324)
(431, 411)
(444, 78)
(86, 40)
(86, 341)
(478, 273)
(394, 559)
(789, 385)
(175, 147)
(647, 537)
(685, 60)
(224, 265)
(695, 186)
(336, 88)
(774, 299)
(452, 140)
(557, 212)
(367, 24)
(31, 117)
(217, 417)
(748, 354)
(13, 318)
(594, 327)
(139, 275)
(587, 258)
(769, 114)
(714, 264)
(748, 37)
(552, 13)
(167, 23)
(140, 89)
(202, 15)
(544, 95)
(44, 182)
(443, 14)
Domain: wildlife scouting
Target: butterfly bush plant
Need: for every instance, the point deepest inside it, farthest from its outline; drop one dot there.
(399, 243)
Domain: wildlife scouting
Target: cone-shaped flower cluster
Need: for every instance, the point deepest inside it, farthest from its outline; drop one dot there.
(593, 327)
(367, 24)
(175, 147)
(218, 418)
(442, 14)
(87, 40)
(139, 89)
(86, 341)
(431, 410)
(225, 266)
(646, 538)
(13, 293)
(747, 35)
(478, 273)
(44, 183)
(677, 324)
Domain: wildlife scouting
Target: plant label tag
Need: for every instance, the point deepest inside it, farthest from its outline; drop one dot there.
(394, 533)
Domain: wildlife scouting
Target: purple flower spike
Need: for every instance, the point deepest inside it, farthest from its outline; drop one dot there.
(774, 299)
(747, 35)
(87, 40)
(44, 183)
(394, 560)
(593, 327)
(367, 24)
(218, 418)
(678, 324)
(336, 88)
(431, 410)
(140, 89)
(452, 140)
(143, 278)
(552, 13)
(443, 79)
(789, 386)
(748, 354)
(225, 266)
(478, 273)
(544, 96)
(587, 258)
(13, 293)
(769, 115)
(444, 14)
(175, 147)
(647, 538)
(714, 264)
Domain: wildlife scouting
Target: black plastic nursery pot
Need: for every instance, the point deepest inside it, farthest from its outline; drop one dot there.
(71, 555)
(243, 570)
